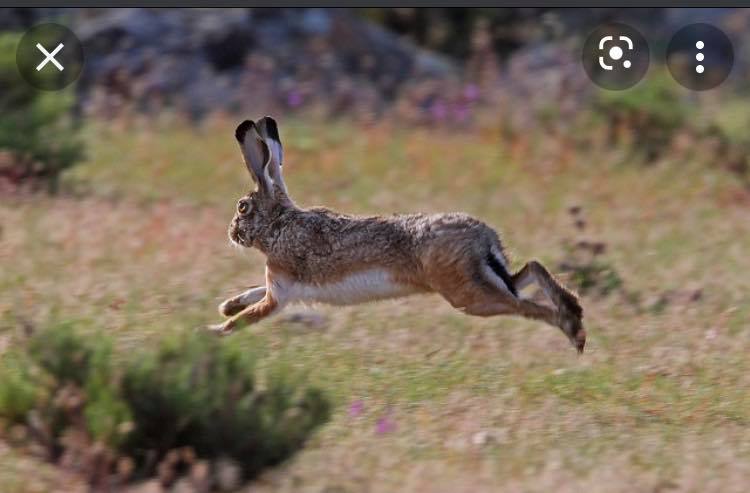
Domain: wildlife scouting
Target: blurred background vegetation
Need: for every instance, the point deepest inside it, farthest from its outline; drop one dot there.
(37, 136)
(638, 199)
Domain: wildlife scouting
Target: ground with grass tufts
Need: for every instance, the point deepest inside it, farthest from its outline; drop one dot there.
(425, 398)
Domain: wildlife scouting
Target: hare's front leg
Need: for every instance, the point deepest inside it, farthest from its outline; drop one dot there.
(250, 314)
(236, 304)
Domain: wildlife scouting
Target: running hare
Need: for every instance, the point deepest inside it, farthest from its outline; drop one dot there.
(317, 255)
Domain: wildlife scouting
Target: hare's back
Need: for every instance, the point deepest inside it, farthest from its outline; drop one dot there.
(457, 237)
(320, 246)
(412, 238)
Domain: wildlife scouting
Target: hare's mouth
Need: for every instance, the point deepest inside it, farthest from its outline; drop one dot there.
(234, 237)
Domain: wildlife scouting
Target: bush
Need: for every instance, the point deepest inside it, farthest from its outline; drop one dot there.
(18, 393)
(649, 115)
(199, 392)
(194, 399)
(584, 262)
(727, 141)
(37, 137)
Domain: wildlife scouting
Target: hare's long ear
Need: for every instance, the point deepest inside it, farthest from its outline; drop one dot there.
(256, 153)
(269, 132)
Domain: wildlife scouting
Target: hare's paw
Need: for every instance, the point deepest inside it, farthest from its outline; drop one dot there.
(232, 306)
(572, 326)
(221, 329)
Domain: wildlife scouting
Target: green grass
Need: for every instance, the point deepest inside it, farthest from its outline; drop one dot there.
(478, 404)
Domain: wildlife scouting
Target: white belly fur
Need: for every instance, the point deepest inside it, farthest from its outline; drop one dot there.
(368, 285)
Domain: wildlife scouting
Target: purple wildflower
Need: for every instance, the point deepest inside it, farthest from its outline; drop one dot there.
(461, 113)
(385, 425)
(471, 92)
(294, 98)
(439, 111)
(356, 408)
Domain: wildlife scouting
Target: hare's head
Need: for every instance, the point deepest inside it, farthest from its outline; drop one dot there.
(262, 151)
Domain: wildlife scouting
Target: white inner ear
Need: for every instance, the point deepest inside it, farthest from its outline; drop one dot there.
(276, 151)
(267, 173)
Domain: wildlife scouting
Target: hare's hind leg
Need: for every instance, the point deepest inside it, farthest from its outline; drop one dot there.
(569, 311)
(571, 326)
(483, 294)
(562, 298)
(236, 304)
(503, 304)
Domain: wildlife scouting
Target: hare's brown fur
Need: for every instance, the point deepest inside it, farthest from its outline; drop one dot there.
(319, 255)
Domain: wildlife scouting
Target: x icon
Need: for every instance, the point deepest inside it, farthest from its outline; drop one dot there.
(50, 57)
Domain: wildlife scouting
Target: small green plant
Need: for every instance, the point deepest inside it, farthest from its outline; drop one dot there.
(18, 392)
(192, 401)
(728, 146)
(201, 393)
(37, 137)
(65, 355)
(584, 261)
(649, 115)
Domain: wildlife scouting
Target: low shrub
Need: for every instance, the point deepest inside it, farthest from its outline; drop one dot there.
(727, 143)
(193, 401)
(585, 263)
(201, 393)
(593, 275)
(38, 139)
(647, 116)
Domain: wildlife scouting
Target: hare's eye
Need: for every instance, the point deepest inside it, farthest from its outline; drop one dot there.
(242, 207)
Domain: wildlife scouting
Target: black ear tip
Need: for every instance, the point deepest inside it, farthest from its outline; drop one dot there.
(271, 128)
(242, 130)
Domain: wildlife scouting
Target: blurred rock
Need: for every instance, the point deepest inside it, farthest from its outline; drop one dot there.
(210, 59)
(151, 486)
(263, 60)
(228, 474)
(489, 437)
(307, 318)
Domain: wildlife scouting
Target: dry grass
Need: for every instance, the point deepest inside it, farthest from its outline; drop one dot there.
(426, 399)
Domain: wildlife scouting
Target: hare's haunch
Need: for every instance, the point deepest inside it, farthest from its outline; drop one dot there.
(317, 255)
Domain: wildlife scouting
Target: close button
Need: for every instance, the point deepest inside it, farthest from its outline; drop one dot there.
(49, 57)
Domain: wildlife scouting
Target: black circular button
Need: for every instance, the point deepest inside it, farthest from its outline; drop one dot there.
(615, 56)
(700, 56)
(49, 57)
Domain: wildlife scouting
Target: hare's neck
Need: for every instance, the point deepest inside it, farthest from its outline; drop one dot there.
(278, 218)
(283, 198)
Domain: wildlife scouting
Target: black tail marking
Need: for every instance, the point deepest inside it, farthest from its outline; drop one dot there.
(499, 269)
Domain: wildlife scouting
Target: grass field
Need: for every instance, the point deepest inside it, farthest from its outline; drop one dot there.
(426, 399)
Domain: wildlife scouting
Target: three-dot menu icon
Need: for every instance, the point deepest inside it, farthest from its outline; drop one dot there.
(700, 56)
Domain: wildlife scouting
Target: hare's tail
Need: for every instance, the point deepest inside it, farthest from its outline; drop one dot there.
(499, 269)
